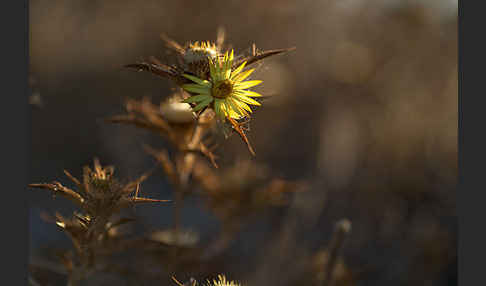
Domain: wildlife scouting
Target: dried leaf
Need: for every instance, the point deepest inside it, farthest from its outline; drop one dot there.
(160, 70)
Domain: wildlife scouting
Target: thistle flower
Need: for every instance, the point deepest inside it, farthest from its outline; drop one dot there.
(222, 282)
(195, 57)
(200, 52)
(192, 58)
(225, 91)
(213, 79)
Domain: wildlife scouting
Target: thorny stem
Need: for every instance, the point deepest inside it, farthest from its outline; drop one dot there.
(89, 251)
(177, 215)
(185, 166)
(188, 160)
(342, 228)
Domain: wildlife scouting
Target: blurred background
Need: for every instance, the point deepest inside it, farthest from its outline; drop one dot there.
(364, 110)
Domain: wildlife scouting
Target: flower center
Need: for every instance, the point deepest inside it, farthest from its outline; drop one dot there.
(222, 89)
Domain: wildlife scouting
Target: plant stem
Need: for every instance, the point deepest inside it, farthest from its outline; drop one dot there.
(342, 228)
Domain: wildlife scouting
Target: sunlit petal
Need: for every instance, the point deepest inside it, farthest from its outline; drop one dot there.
(233, 107)
(247, 84)
(247, 99)
(243, 75)
(238, 70)
(249, 93)
(242, 105)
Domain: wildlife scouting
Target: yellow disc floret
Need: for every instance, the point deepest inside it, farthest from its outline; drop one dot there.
(222, 89)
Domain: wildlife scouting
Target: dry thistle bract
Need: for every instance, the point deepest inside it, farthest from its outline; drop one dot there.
(100, 193)
(100, 196)
(221, 281)
(197, 55)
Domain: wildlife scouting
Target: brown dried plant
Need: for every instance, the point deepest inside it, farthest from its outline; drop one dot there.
(234, 194)
(100, 197)
(173, 121)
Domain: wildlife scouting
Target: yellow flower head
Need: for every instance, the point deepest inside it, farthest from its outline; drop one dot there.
(222, 282)
(225, 91)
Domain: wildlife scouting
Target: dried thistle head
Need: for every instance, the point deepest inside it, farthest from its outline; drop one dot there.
(221, 281)
(105, 194)
(100, 194)
(200, 51)
(196, 57)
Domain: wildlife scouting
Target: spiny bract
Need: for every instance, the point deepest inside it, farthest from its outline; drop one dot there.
(222, 282)
(200, 51)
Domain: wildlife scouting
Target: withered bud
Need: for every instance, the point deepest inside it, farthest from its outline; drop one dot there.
(175, 111)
